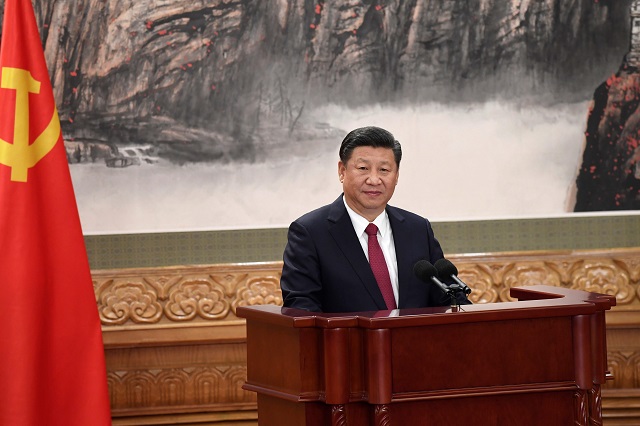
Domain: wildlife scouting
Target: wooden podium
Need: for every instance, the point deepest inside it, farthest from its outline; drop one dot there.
(538, 361)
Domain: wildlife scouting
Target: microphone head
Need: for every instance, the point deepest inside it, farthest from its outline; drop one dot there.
(445, 268)
(424, 270)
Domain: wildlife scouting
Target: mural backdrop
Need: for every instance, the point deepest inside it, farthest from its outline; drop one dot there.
(218, 114)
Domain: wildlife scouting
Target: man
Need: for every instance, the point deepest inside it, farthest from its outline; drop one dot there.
(326, 260)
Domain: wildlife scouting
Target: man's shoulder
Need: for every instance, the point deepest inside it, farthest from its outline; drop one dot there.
(321, 213)
(403, 214)
(314, 215)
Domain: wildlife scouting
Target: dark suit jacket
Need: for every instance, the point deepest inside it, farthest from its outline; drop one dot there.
(326, 270)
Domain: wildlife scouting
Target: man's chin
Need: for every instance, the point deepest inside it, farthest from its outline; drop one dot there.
(374, 207)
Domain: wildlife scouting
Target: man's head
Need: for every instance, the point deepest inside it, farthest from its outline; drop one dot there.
(368, 169)
(369, 136)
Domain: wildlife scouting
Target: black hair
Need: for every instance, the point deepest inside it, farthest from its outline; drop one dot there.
(369, 136)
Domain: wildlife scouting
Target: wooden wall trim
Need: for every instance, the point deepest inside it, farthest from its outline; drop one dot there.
(175, 347)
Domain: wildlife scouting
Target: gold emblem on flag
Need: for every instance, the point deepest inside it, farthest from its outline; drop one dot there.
(20, 155)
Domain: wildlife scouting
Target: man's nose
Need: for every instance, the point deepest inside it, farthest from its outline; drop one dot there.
(374, 178)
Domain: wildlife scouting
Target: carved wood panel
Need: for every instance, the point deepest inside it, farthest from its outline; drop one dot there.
(184, 345)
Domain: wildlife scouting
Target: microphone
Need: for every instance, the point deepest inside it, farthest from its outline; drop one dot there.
(446, 269)
(426, 272)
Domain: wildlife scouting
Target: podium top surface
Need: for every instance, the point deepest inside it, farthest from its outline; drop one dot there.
(532, 302)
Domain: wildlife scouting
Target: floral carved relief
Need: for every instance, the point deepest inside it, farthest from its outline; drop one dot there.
(604, 276)
(197, 294)
(259, 291)
(483, 290)
(631, 265)
(198, 297)
(491, 281)
(122, 301)
(528, 273)
(214, 292)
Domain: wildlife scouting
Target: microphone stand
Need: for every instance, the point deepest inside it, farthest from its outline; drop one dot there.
(453, 290)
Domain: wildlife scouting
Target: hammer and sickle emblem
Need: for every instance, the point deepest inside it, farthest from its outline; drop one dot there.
(20, 155)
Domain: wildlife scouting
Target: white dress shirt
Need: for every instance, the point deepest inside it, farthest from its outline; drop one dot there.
(385, 239)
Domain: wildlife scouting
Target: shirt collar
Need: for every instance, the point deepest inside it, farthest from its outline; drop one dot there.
(360, 223)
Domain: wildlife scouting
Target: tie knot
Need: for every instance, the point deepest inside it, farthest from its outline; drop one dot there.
(371, 229)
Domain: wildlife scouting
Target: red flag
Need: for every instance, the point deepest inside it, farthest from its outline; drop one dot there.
(52, 367)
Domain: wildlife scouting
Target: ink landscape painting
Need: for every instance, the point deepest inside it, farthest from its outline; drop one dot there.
(181, 115)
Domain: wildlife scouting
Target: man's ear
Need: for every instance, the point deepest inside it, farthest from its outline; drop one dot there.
(341, 170)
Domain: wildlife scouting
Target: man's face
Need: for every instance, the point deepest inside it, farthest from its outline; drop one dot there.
(368, 180)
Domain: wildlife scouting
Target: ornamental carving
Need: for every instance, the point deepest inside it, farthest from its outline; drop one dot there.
(172, 386)
(338, 415)
(595, 406)
(604, 276)
(138, 390)
(198, 297)
(212, 293)
(230, 282)
(581, 408)
(178, 387)
(625, 368)
(187, 295)
(123, 301)
(259, 291)
(382, 415)
(528, 273)
(631, 265)
(483, 290)
(491, 280)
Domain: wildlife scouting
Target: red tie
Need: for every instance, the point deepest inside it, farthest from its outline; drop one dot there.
(379, 266)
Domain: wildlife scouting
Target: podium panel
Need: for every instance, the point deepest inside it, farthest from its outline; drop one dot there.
(540, 360)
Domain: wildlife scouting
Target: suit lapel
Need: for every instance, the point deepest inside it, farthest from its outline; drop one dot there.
(341, 229)
(402, 235)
